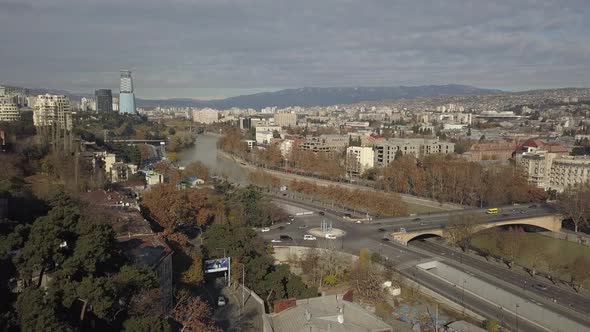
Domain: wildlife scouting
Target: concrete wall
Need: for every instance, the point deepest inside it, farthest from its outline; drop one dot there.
(579, 238)
(506, 299)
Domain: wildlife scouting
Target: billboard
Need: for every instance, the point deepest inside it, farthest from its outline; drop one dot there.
(216, 265)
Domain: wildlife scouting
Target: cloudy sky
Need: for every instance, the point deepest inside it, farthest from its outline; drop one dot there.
(220, 48)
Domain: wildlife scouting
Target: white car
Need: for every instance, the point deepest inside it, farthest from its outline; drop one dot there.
(358, 222)
(221, 301)
(276, 241)
(309, 238)
(265, 229)
(330, 236)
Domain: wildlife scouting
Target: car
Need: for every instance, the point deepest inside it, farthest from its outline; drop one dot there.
(221, 301)
(276, 241)
(381, 229)
(358, 222)
(321, 213)
(522, 212)
(385, 239)
(281, 227)
(289, 222)
(403, 230)
(347, 215)
(330, 236)
(285, 238)
(291, 217)
(533, 206)
(308, 237)
(505, 215)
(302, 226)
(265, 229)
(422, 223)
(540, 287)
(417, 219)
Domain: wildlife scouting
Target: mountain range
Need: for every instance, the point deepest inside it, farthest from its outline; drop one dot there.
(307, 97)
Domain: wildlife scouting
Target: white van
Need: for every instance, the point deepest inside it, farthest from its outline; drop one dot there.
(309, 237)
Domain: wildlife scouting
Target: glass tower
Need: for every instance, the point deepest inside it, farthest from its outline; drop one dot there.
(126, 96)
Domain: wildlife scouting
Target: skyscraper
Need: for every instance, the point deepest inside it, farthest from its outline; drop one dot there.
(126, 96)
(104, 100)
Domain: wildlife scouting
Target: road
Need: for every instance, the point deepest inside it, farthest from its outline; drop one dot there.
(370, 235)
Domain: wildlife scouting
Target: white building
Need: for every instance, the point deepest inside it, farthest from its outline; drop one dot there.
(206, 115)
(285, 119)
(251, 143)
(263, 137)
(537, 166)
(359, 159)
(568, 171)
(9, 110)
(419, 147)
(52, 109)
(267, 128)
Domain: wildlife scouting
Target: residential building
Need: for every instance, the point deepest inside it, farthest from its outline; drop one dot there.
(9, 110)
(268, 128)
(206, 115)
(115, 104)
(419, 147)
(568, 171)
(153, 178)
(245, 123)
(52, 109)
(325, 313)
(104, 100)
(501, 150)
(263, 137)
(285, 119)
(537, 166)
(126, 95)
(359, 159)
(325, 143)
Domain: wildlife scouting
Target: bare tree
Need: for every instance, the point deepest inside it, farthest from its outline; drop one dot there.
(461, 229)
(511, 244)
(580, 274)
(574, 204)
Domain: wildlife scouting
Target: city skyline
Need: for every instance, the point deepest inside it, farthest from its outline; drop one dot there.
(217, 49)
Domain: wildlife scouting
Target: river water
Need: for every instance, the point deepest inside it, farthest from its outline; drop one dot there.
(205, 151)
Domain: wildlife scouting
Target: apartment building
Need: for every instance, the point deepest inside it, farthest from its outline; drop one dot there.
(490, 151)
(568, 171)
(325, 143)
(9, 110)
(359, 159)
(206, 115)
(285, 119)
(419, 147)
(537, 166)
(52, 109)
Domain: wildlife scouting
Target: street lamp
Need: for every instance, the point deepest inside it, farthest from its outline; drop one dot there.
(517, 306)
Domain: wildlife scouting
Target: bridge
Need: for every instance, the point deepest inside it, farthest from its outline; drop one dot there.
(160, 141)
(550, 222)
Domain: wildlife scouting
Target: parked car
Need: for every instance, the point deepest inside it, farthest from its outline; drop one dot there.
(221, 301)
(276, 241)
(265, 229)
(308, 237)
(330, 236)
(285, 238)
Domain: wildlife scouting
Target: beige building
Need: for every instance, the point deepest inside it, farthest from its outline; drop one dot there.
(537, 166)
(206, 115)
(568, 171)
(285, 119)
(359, 159)
(419, 147)
(325, 143)
(52, 109)
(9, 110)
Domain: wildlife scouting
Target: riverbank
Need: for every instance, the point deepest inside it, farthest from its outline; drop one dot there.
(416, 205)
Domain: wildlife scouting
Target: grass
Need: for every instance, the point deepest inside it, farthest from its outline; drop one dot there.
(540, 248)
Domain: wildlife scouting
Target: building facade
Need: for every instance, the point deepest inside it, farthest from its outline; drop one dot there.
(359, 159)
(104, 100)
(568, 171)
(285, 119)
(206, 115)
(490, 151)
(126, 94)
(9, 110)
(419, 147)
(325, 143)
(52, 109)
(537, 166)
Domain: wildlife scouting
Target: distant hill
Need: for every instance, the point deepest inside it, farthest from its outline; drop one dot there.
(322, 96)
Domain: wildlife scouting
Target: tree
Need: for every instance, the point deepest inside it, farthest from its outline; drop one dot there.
(492, 325)
(580, 273)
(511, 244)
(36, 312)
(194, 274)
(146, 324)
(365, 278)
(196, 169)
(574, 204)
(461, 228)
(194, 315)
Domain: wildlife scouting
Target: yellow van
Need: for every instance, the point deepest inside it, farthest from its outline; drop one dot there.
(492, 211)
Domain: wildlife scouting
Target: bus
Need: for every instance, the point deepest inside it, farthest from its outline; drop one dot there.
(492, 211)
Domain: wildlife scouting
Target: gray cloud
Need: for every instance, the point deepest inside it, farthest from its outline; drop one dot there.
(221, 47)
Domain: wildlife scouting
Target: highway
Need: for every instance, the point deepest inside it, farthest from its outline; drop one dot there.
(370, 235)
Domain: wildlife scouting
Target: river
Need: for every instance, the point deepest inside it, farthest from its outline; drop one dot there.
(205, 151)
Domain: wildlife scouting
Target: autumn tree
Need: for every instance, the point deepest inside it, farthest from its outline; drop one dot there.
(196, 169)
(574, 204)
(580, 273)
(461, 229)
(194, 315)
(511, 243)
(365, 278)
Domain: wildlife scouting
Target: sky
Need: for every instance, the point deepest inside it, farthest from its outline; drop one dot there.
(210, 49)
